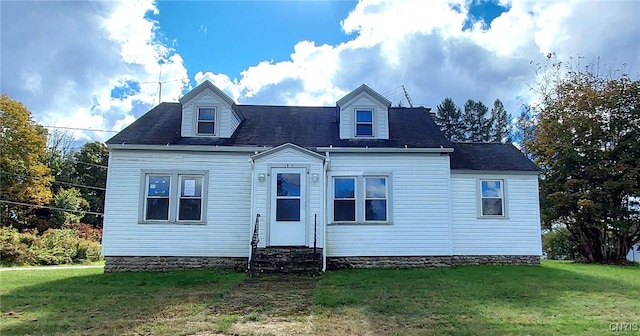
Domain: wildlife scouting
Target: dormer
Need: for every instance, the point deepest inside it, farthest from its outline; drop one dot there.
(364, 114)
(209, 112)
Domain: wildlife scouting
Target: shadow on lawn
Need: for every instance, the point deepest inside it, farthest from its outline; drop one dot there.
(111, 304)
(477, 300)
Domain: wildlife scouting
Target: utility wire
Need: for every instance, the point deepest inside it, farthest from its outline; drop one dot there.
(80, 129)
(54, 181)
(52, 208)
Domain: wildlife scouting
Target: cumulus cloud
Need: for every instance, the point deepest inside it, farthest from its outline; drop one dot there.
(64, 60)
(68, 60)
(422, 45)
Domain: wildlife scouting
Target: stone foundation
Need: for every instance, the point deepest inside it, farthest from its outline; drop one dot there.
(460, 260)
(429, 261)
(164, 264)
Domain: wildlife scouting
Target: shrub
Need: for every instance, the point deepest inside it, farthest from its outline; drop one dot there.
(12, 250)
(56, 246)
(53, 247)
(558, 245)
(88, 251)
(86, 231)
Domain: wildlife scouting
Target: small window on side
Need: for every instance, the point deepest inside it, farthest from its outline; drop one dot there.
(492, 198)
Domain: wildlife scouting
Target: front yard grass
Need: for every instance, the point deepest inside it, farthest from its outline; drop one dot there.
(558, 298)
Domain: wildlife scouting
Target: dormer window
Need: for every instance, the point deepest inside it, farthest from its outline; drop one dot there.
(364, 123)
(207, 120)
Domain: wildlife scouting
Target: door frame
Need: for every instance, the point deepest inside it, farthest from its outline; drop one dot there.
(272, 195)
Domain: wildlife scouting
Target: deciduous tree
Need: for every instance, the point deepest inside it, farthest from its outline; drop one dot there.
(24, 176)
(587, 145)
(91, 172)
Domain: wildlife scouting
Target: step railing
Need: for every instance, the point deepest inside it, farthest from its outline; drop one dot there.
(255, 239)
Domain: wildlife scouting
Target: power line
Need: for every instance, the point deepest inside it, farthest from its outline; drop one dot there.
(54, 181)
(52, 208)
(80, 129)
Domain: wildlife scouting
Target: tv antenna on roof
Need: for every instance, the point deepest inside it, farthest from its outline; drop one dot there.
(160, 82)
(406, 94)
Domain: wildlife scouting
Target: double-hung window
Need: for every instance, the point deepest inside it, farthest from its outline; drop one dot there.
(492, 198)
(207, 120)
(375, 199)
(158, 197)
(174, 198)
(344, 199)
(364, 123)
(361, 199)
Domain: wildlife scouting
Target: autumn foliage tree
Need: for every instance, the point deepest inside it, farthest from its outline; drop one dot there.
(24, 177)
(587, 144)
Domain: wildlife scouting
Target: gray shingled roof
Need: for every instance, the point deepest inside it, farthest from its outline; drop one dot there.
(489, 156)
(313, 127)
(308, 127)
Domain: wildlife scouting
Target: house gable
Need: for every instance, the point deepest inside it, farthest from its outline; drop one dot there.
(364, 114)
(209, 112)
(289, 148)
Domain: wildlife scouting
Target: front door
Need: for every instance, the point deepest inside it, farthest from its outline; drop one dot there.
(287, 225)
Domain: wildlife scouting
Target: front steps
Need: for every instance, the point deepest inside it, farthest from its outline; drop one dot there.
(286, 260)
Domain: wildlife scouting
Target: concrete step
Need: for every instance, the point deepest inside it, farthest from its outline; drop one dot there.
(286, 260)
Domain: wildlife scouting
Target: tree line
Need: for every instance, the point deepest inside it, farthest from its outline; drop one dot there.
(474, 123)
(44, 181)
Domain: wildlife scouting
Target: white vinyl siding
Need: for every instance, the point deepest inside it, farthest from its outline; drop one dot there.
(228, 206)
(518, 234)
(418, 200)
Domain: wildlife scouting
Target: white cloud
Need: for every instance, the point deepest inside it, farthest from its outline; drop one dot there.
(422, 45)
(63, 59)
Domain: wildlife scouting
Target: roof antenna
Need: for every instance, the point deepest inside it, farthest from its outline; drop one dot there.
(160, 82)
(406, 94)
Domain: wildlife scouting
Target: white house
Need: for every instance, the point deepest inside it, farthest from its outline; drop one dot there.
(634, 253)
(206, 182)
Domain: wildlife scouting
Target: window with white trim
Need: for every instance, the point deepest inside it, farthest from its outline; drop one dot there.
(364, 123)
(206, 120)
(492, 198)
(344, 199)
(361, 199)
(174, 198)
(375, 199)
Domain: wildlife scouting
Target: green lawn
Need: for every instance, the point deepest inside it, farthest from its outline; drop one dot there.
(558, 298)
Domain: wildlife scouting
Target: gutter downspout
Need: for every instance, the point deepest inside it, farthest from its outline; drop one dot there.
(325, 169)
(253, 178)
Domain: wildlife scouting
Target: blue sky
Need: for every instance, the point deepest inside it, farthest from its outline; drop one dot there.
(96, 65)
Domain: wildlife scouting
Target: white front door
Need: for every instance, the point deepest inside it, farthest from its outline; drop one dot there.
(287, 224)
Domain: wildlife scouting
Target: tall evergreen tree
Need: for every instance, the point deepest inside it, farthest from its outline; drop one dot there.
(475, 123)
(449, 118)
(499, 121)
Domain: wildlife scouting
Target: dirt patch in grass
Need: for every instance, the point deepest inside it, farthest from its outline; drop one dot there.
(275, 305)
(278, 296)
